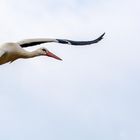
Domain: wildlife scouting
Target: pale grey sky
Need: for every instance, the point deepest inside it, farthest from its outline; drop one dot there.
(93, 93)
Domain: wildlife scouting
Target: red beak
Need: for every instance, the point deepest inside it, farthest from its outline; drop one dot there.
(50, 54)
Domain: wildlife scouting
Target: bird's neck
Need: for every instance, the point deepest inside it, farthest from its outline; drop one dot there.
(30, 54)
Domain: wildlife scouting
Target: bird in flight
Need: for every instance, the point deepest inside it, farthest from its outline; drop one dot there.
(12, 51)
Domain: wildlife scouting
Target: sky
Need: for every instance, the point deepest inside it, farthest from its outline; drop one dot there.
(93, 93)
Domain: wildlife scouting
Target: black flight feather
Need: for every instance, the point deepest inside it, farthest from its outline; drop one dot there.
(62, 41)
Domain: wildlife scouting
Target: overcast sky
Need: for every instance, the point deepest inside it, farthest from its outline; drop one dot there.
(94, 93)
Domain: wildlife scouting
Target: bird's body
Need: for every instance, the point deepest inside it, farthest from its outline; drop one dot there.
(10, 52)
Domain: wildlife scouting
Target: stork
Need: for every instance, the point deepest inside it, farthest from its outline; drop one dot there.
(12, 51)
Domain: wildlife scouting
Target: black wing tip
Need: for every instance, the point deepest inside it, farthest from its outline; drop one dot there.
(71, 42)
(100, 38)
(102, 35)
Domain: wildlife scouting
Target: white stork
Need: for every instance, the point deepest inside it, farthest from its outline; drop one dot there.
(11, 51)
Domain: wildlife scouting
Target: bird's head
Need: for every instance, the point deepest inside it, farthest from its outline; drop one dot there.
(46, 52)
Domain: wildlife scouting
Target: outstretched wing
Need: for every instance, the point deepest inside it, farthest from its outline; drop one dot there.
(33, 42)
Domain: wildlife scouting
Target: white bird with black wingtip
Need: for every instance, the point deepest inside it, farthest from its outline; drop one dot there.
(12, 51)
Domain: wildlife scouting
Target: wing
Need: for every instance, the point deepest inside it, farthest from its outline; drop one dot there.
(33, 42)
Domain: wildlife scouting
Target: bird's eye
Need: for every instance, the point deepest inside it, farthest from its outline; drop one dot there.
(44, 50)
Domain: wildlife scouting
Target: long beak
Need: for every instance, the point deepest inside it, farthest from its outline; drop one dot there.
(50, 54)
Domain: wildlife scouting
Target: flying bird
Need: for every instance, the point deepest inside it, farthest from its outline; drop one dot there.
(12, 51)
